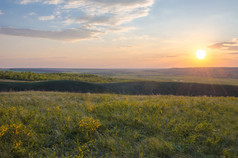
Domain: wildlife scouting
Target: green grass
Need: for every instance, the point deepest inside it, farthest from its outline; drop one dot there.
(132, 88)
(183, 79)
(212, 75)
(31, 76)
(53, 124)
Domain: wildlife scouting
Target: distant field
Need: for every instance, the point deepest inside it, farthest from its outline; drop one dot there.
(213, 75)
(49, 124)
(32, 76)
(183, 79)
(147, 83)
(132, 88)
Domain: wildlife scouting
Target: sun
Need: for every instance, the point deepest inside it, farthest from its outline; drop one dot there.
(201, 54)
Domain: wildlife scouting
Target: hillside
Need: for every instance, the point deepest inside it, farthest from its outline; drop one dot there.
(58, 85)
(171, 88)
(207, 72)
(36, 124)
(210, 75)
(32, 76)
(132, 88)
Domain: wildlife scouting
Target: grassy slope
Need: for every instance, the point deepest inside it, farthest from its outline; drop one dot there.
(182, 79)
(139, 88)
(31, 76)
(224, 76)
(58, 85)
(67, 124)
(172, 88)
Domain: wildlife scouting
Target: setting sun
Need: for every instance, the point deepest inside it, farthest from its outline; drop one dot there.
(201, 54)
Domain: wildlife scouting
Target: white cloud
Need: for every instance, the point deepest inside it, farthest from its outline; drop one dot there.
(106, 12)
(112, 19)
(44, 18)
(1, 12)
(56, 2)
(101, 15)
(32, 13)
(29, 1)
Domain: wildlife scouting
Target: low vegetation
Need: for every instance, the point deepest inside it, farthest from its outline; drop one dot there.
(134, 88)
(53, 124)
(212, 75)
(31, 76)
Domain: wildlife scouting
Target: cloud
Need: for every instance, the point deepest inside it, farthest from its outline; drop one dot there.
(32, 13)
(1, 12)
(112, 19)
(99, 15)
(108, 12)
(29, 1)
(44, 18)
(56, 2)
(228, 45)
(234, 53)
(64, 35)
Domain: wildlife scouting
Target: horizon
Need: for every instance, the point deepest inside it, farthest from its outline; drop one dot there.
(138, 34)
(114, 68)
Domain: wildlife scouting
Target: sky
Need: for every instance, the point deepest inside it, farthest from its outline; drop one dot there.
(118, 33)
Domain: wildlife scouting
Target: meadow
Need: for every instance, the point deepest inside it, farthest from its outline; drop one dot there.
(132, 87)
(210, 75)
(32, 76)
(54, 124)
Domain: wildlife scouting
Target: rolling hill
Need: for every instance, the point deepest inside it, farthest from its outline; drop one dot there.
(132, 88)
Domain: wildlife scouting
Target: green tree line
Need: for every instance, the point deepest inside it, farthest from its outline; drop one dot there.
(31, 76)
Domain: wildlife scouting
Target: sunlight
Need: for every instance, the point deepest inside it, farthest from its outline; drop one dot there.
(201, 54)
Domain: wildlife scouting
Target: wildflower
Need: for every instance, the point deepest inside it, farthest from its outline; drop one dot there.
(3, 129)
(17, 144)
(58, 108)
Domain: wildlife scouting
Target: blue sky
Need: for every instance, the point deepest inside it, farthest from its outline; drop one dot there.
(118, 33)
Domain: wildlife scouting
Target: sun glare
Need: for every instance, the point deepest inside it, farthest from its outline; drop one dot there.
(201, 54)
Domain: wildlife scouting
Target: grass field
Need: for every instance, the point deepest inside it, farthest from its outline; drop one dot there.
(212, 75)
(133, 88)
(182, 79)
(53, 124)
